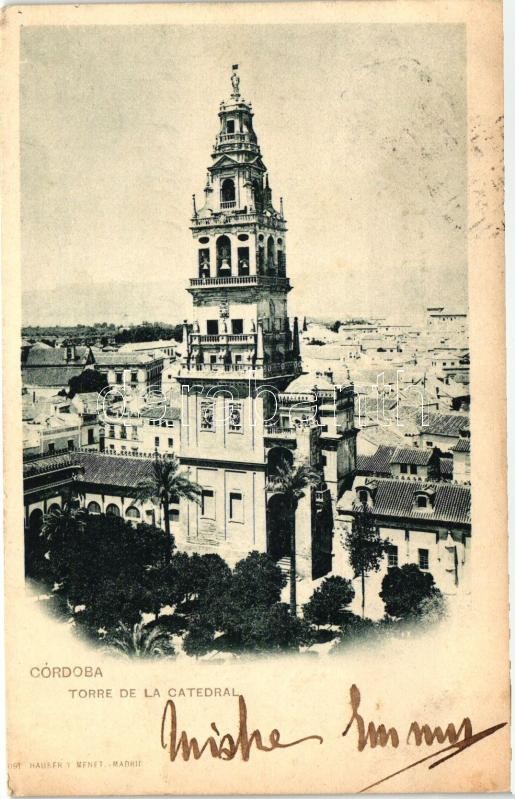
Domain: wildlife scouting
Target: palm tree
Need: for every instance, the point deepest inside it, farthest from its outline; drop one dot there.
(140, 641)
(292, 482)
(167, 483)
(59, 522)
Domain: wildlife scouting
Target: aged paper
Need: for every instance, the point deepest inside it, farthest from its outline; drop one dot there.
(254, 424)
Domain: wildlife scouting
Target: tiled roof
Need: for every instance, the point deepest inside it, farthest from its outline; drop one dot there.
(463, 445)
(123, 358)
(56, 356)
(446, 467)
(396, 498)
(412, 455)
(50, 376)
(378, 463)
(48, 463)
(382, 435)
(170, 413)
(443, 424)
(113, 470)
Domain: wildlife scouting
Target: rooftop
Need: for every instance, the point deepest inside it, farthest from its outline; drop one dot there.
(396, 499)
(113, 470)
(412, 456)
(463, 445)
(443, 424)
(378, 463)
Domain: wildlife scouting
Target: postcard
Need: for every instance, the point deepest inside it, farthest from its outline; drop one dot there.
(254, 407)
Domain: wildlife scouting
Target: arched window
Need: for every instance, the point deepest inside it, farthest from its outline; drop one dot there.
(278, 458)
(113, 510)
(223, 255)
(228, 194)
(257, 190)
(203, 262)
(270, 254)
(281, 258)
(94, 507)
(133, 513)
(54, 506)
(36, 520)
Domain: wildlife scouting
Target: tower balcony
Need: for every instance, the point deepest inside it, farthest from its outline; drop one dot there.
(239, 218)
(278, 431)
(223, 338)
(262, 281)
(246, 371)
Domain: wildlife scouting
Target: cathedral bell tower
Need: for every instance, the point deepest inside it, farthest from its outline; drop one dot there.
(241, 349)
(240, 285)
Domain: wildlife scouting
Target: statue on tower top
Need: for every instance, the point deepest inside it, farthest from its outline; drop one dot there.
(235, 80)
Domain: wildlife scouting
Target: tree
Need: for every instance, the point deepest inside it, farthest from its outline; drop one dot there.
(257, 581)
(365, 546)
(355, 630)
(100, 565)
(140, 641)
(167, 483)
(89, 380)
(275, 628)
(199, 640)
(292, 482)
(405, 591)
(248, 612)
(328, 602)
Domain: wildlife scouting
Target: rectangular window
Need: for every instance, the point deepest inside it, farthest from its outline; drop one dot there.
(170, 443)
(237, 359)
(393, 556)
(119, 377)
(230, 126)
(236, 506)
(235, 417)
(429, 443)
(207, 415)
(237, 326)
(51, 448)
(212, 359)
(423, 558)
(70, 442)
(91, 436)
(134, 377)
(413, 469)
(212, 327)
(134, 432)
(404, 468)
(111, 431)
(156, 442)
(207, 508)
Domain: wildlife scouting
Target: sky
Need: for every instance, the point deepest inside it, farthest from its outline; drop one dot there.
(362, 128)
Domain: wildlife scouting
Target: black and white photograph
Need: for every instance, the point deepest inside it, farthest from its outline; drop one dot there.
(255, 437)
